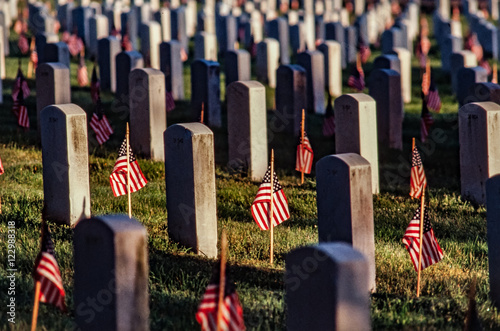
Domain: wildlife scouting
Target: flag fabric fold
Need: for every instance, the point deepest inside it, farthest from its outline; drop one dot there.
(431, 251)
(2, 171)
(418, 181)
(232, 312)
(23, 44)
(100, 124)
(261, 203)
(304, 156)
(433, 99)
(47, 273)
(19, 90)
(118, 177)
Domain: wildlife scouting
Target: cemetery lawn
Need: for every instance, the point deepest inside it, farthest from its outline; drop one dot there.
(177, 277)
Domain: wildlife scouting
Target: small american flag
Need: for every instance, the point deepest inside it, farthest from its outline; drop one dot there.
(20, 83)
(21, 112)
(231, 311)
(433, 99)
(260, 206)
(2, 171)
(357, 78)
(19, 109)
(329, 120)
(118, 177)
(82, 75)
(418, 181)
(431, 252)
(486, 65)
(426, 122)
(126, 44)
(305, 155)
(23, 44)
(169, 99)
(100, 124)
(95, 86)
(75, 45)
(48, 274)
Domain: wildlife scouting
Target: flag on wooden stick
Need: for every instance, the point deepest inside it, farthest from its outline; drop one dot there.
(305, 155)
(100, 124)
(431, 251)
(47, 273)
(357, 79)
(433, 99)
(118, 177)
(82, 74)
(418, 181)
(232, 313)
(260, 206)
(19, 90)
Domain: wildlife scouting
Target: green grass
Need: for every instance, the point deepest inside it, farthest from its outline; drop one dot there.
(177, 277)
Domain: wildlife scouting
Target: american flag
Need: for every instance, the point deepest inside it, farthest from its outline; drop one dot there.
(2, 171)
(433, 99)
(75, 45)
(169, 99)
(486, 65)
(357, 78)
(426, 80)
(82, 74)
(118, 177)
(329, 120)
(231, 311)
(95, 86)
(47, 273)
(184, 55)
(431, 252)
(418, 181)
(260, 206)
(426, 122)
(100, 124)
(20, 83)
(23, 44)
(126, 44)
(305, 155)
(19, 109)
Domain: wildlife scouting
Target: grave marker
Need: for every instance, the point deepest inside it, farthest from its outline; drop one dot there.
(190, 187)
(205, 89)
(111, 274)
(479, 133)
(345, 205)
(148, 114)
(247, 128)
(65, 162)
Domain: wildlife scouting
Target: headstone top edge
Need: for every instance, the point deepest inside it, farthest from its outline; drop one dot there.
(69, 109)
(360, 97)
(194, 128)
(115, 222)
(349, 159)
(148, 71)
(53, 65)
(247, 83)
(338, 251)
(485, 106)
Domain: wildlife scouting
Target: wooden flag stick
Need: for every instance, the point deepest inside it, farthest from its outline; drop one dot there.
(30, 63)
(494, 79)
(202, 112)
(271, 253)
(128, 173)
(302, 165)
(222, 279)
(34, 318)
(38, 285)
